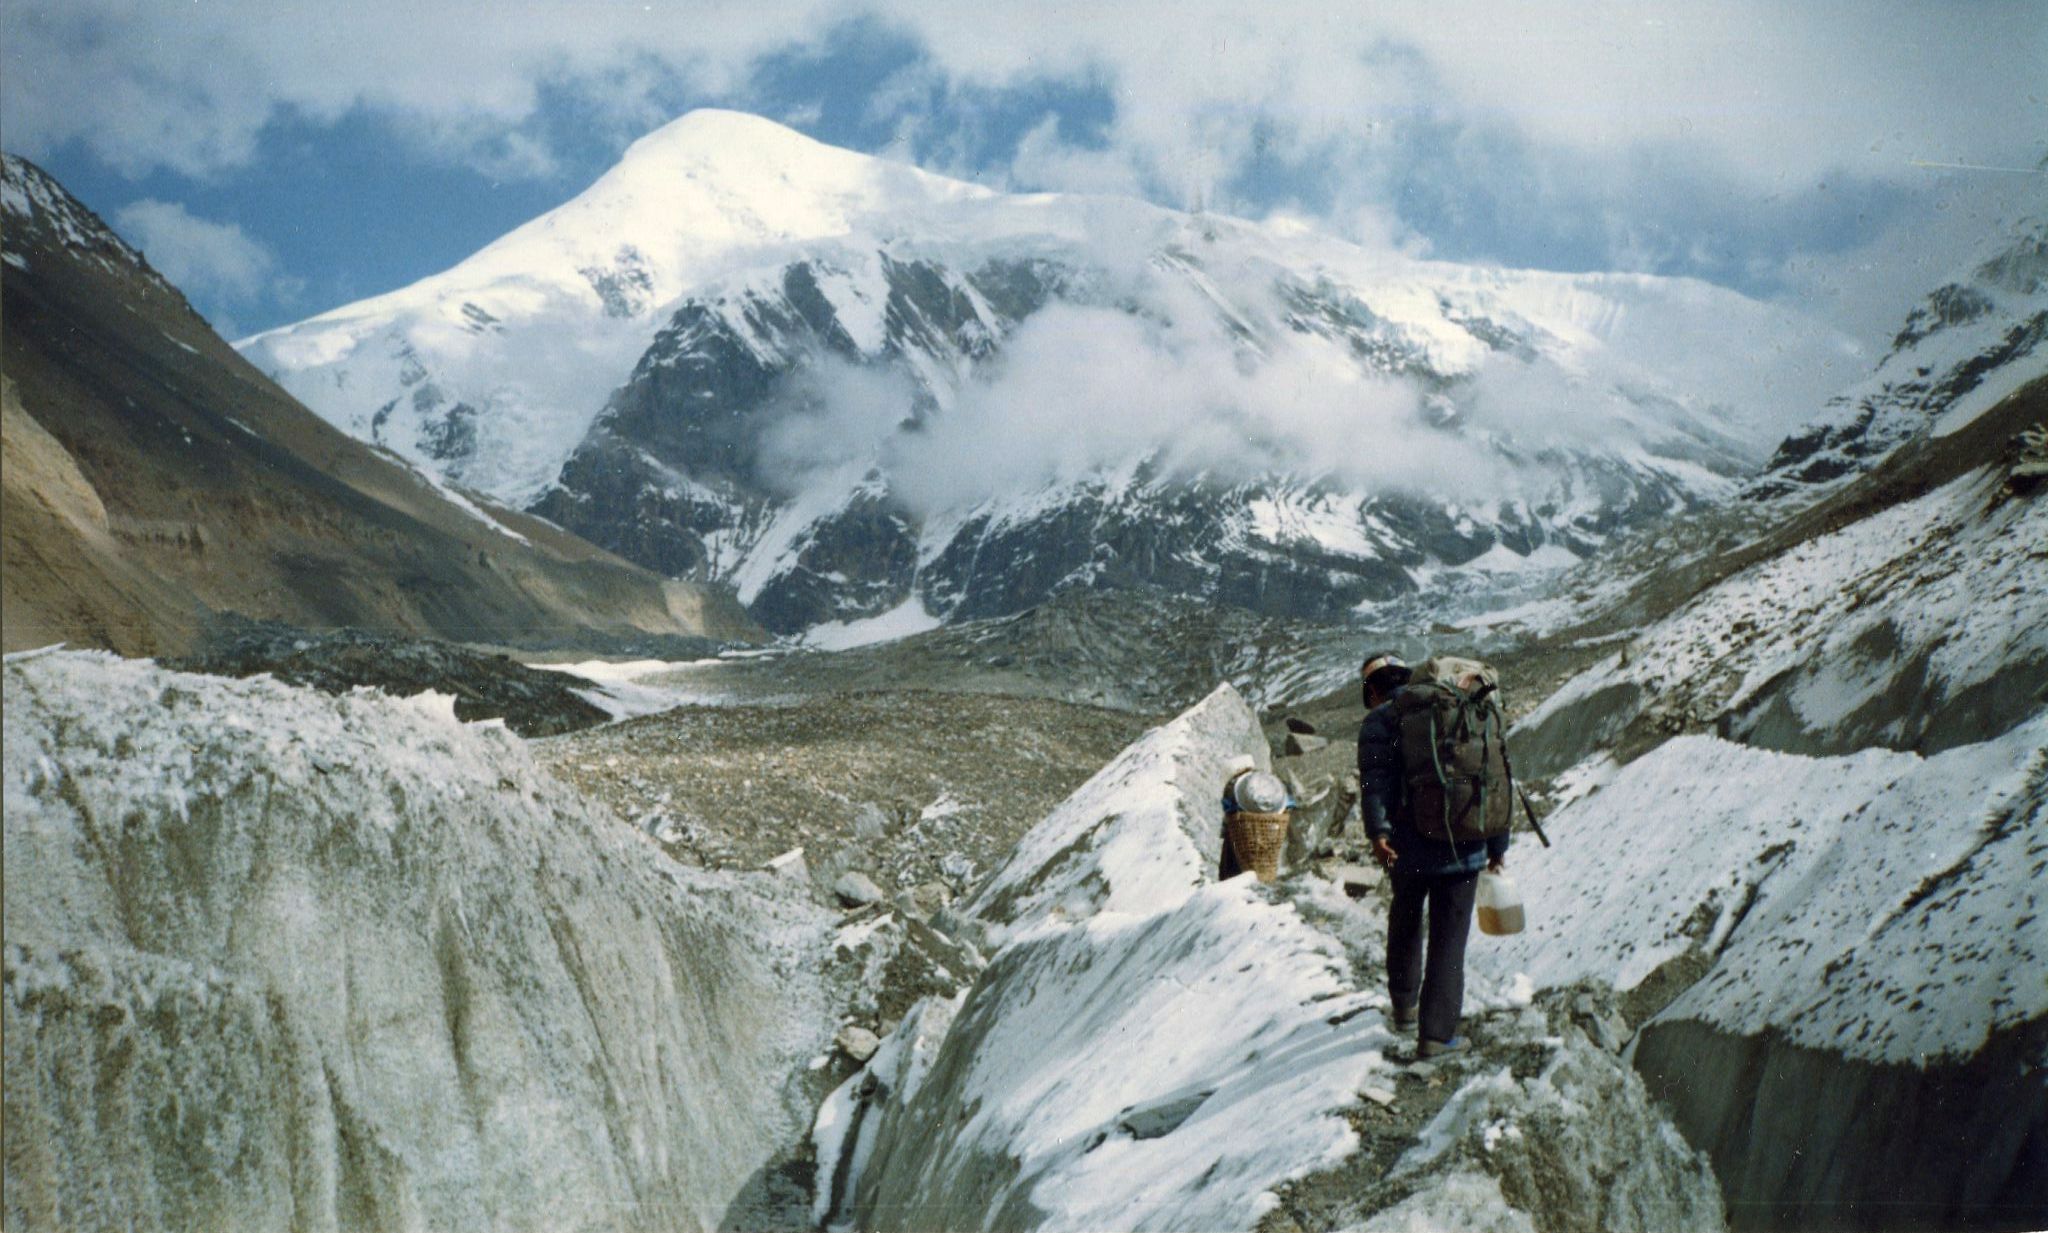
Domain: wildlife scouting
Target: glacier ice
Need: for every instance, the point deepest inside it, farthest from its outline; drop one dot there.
(276, 959)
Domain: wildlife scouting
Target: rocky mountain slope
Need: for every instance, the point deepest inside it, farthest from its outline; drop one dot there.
(153, 477)
(851, 389)
(1970, 343)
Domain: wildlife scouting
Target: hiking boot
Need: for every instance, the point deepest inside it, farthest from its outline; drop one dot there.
(1427, 1048)
(1406, 1017)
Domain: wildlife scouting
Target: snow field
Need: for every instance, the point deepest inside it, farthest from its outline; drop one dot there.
(1881, 905)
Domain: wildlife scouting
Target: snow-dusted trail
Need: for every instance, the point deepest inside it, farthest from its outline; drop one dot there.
(1148, 1049)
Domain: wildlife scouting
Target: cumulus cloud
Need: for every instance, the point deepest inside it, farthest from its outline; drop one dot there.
(192, 86)
(1771, 93)
(205, 259)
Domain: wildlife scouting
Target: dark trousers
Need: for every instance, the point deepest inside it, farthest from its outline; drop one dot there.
(1438, 985)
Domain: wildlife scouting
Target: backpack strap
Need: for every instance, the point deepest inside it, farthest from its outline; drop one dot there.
(1443, 784)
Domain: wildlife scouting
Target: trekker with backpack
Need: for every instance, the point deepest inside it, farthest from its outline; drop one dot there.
(1435, 794)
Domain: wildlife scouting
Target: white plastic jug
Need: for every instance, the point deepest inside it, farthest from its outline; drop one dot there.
(1499, 904)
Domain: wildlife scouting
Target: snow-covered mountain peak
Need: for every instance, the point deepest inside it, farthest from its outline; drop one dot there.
(683, 205)
(714, 181)
(735, 310)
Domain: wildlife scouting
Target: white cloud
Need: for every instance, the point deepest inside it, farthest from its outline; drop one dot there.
(1045, 162)
(1605, 117)
(1080, 391)
(1772, 94)
(205, 259)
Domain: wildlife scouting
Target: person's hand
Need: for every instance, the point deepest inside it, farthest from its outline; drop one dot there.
(1383, 852)
(1498, 865)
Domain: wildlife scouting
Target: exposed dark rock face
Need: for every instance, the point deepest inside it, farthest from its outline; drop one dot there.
(675, 464)
(862, 560)
(1808, 1139)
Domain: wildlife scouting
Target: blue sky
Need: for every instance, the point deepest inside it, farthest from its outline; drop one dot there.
(280, 159)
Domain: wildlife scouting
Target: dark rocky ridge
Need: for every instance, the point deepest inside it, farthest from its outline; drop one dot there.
(1996, 306)
(532, 702)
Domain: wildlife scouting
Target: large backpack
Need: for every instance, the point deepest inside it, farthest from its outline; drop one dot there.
(1454, 753)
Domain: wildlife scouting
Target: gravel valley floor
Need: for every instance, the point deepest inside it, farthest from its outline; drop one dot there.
(912, 788)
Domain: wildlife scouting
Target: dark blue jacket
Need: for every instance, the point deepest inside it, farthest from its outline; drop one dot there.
(1380, 797)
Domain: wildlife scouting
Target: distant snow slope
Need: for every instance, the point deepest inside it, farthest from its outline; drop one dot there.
(844, 385)
(281, 960)
(1917, 627)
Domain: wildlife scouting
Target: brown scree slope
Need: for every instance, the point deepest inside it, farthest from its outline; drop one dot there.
(153, 476)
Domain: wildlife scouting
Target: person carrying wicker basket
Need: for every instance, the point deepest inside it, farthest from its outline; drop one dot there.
(1257, 811)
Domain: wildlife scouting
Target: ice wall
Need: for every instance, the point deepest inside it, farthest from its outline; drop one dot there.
(279, 960)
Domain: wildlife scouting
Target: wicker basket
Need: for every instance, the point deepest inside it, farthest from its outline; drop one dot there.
(1259, 839)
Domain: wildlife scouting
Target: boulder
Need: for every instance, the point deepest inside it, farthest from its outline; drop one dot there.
(924, 901)
(789, 865)
(1299, 743)
(857, 1042)
(856, 890)
(1356, 880)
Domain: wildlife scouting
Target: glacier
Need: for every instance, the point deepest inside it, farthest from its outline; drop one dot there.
(280, 960)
